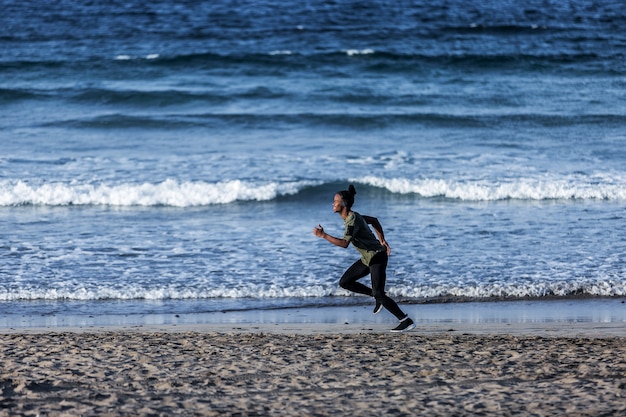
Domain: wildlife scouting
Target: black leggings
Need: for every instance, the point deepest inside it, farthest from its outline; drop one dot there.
(378, 271)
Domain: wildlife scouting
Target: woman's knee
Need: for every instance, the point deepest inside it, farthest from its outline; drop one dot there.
(345, 282)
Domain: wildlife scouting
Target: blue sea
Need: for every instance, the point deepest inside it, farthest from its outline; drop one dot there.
(175, 156)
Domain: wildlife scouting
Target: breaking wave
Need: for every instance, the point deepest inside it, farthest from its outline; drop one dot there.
(198, 193)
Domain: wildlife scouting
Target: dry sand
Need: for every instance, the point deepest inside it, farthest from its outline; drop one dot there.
(315, 370)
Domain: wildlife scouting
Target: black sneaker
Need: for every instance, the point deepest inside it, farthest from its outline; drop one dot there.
(404, 326)
(378, 307)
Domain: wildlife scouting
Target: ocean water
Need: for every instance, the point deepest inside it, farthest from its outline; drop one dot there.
(175, 156)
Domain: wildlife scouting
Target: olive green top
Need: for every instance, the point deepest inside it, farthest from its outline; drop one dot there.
(359, 233)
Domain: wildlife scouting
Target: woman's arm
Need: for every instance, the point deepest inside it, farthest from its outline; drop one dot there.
(319, 232)
(379, 231)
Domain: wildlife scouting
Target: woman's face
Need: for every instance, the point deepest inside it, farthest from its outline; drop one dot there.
(337, 203)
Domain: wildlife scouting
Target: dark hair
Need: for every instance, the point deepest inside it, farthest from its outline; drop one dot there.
(348, 196)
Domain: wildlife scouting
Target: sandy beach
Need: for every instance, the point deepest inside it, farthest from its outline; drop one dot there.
(122, 373)
(315, 369)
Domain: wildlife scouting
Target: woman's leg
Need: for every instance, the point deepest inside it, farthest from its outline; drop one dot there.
(378, 269)
(349, 278)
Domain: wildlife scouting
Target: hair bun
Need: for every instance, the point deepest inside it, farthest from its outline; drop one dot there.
(352, 190)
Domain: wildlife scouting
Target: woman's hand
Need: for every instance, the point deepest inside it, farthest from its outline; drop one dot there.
(386, 245)
(319, 231)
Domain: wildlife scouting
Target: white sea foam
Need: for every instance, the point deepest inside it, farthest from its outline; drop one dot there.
(188, 194)
(131, 292)
(281, 52)
(608, 288)
(518, 189)
(353, 52)
(166, 193)
(538, 289)
(124, 57)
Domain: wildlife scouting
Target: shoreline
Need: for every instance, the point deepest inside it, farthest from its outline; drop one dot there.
(595, 317)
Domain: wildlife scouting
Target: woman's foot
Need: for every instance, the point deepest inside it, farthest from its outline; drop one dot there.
(405, 325)
(378, 307)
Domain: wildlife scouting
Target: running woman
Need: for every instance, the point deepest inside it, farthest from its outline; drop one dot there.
(374, 256)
